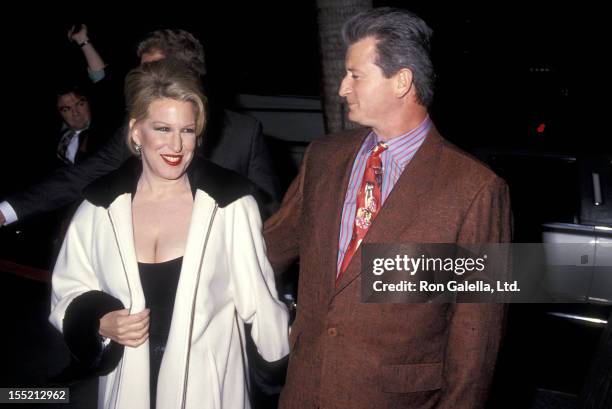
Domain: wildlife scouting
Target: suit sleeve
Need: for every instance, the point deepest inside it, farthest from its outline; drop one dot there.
(261, 171)
(66, 184)
(282, 230)
(252, 281)
(476, 329)
(105, 97)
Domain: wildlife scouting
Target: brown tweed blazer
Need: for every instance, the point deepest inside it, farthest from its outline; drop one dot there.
(350, 355)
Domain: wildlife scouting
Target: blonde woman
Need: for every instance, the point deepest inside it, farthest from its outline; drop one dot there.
(162, 262)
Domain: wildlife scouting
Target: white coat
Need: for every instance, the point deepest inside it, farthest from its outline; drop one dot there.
(225, 278)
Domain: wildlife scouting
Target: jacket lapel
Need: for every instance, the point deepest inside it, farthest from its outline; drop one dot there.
(339, 175)
(409, 194)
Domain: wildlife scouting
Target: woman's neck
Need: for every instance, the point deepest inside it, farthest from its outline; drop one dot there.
(155, 186)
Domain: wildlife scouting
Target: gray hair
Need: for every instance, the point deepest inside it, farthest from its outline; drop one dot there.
(403, 41)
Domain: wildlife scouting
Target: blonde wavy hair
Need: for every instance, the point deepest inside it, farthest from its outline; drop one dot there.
(165, 78)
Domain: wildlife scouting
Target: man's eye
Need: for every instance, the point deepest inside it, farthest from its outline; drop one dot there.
(162, 129)
(64, 109)
(353, 76)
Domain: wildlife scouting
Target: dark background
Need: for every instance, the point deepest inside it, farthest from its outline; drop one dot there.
(502, 71)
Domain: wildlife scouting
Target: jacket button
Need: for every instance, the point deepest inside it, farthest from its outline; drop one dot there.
(332, 332)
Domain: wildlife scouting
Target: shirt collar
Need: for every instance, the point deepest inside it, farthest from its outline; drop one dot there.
(401, 143)
(65, 127)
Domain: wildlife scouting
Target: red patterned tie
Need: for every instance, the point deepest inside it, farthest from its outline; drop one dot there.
(368, 204)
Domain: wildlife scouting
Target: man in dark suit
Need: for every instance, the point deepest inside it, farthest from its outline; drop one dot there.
(394, 181)
(232, 140)
(78, 138)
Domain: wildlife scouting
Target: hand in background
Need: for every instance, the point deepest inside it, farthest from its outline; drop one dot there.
(79, 36)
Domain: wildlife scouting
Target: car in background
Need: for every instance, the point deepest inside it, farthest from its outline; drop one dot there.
(565, 202)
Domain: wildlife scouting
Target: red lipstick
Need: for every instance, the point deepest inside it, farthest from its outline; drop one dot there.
(172, 160)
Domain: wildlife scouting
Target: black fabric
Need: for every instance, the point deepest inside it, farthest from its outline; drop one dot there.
(65, 185)
(90, 141)
(159, 283)
(223, 185)
(245, 151)
(239, 147)
(80, 327)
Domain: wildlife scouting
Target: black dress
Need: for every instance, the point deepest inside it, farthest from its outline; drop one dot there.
(159, 282)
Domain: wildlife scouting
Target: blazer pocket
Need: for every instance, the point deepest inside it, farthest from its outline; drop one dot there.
(411, 378)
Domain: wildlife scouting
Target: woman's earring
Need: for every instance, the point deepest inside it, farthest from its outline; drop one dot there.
(137, 147)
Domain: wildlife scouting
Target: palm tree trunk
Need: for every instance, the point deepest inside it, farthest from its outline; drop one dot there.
(332, 14)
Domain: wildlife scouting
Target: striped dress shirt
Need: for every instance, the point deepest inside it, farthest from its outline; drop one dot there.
(401, 150)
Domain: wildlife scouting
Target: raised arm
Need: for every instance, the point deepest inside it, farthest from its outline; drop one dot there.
(95, 63)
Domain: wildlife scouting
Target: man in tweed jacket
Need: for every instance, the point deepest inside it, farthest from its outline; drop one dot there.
(349, 354)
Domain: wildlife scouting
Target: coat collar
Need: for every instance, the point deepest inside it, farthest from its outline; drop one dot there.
(223, 185)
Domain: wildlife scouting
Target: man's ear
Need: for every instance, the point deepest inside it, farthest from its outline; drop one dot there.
(404, 82)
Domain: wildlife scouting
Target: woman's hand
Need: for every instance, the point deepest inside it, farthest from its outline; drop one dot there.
(129, 330)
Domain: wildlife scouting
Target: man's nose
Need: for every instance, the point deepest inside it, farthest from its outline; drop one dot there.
(344, 87)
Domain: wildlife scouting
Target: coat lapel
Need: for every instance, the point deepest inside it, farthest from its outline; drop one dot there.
(180, 336)
(201, 217)
(409, 194)
(339, 175)
(120, 212)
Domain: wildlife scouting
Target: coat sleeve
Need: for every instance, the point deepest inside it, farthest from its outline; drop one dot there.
(282, 230)
(475, 329)
(77, 302)
(252, 281)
